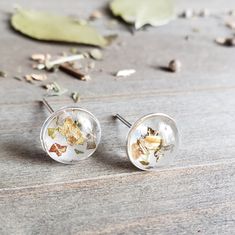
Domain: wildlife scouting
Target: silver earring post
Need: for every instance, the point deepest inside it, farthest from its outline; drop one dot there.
(49, 108)
(123, 120)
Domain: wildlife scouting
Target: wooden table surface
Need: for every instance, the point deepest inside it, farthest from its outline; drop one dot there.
(106, 194)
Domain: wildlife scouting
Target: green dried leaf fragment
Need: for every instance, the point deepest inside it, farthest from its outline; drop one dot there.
(49, 27)
(54, 89)
(78, 151)
(75, 96)
(52, 132)
(145, 163)
(3, 74)
(17, 78)
(142, 12)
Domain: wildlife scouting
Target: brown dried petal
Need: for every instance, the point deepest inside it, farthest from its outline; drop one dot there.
(58, 149)
(96, 15)
(39, 77)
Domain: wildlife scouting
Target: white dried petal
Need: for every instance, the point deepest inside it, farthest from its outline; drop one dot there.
(96, 54)
(125, 73)
(96, 15)
(175, 65)
(220, 40)
(39, 77)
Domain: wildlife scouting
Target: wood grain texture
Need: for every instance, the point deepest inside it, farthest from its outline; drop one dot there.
(183, 201)
(106, 194)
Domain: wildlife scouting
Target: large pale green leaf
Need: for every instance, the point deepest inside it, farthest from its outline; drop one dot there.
(142, 12)
(45, 26)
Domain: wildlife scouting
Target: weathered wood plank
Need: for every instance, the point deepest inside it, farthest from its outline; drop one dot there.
(200, 70)
(183, 201)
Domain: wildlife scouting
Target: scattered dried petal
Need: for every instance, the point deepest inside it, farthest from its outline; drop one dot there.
(72, 132)
(91, 65)
(54, 89)
(96, 54)
(75, 96)
(188, 13)
(230, 24)
(174, 65)
(91, 145)
(3, 74)
(39, 77)
(226, 41)
(204, 12)
(125, 73)
(96, 15)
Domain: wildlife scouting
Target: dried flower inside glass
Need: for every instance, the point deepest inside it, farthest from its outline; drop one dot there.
(151, 141)
(70, 134)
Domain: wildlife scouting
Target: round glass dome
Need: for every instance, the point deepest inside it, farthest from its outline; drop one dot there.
(70, 134)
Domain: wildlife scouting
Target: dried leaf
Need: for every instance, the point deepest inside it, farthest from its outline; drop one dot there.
(75, 96)
(230, 24)
(49, 27)
(28, 78)
(72, 132)
(145, 163)
(78, 151)
(40, 57)
(142, 12)
(125, 73)
(17, 78)
(91, 65)
(91, 145)
(54, 89)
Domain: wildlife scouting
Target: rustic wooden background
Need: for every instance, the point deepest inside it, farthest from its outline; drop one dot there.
(106, 194)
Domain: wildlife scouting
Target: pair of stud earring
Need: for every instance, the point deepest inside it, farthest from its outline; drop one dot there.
(71, 134)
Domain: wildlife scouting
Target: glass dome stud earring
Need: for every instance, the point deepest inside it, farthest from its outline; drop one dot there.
(151, 141)
(70, 134)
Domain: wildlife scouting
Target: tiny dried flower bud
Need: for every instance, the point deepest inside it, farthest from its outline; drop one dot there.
(174, 66)
(204, 13)
(188, 13)
(226, 41)
(229, 42)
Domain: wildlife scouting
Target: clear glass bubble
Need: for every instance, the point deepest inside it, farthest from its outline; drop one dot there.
(152, 141)
(70, 134)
